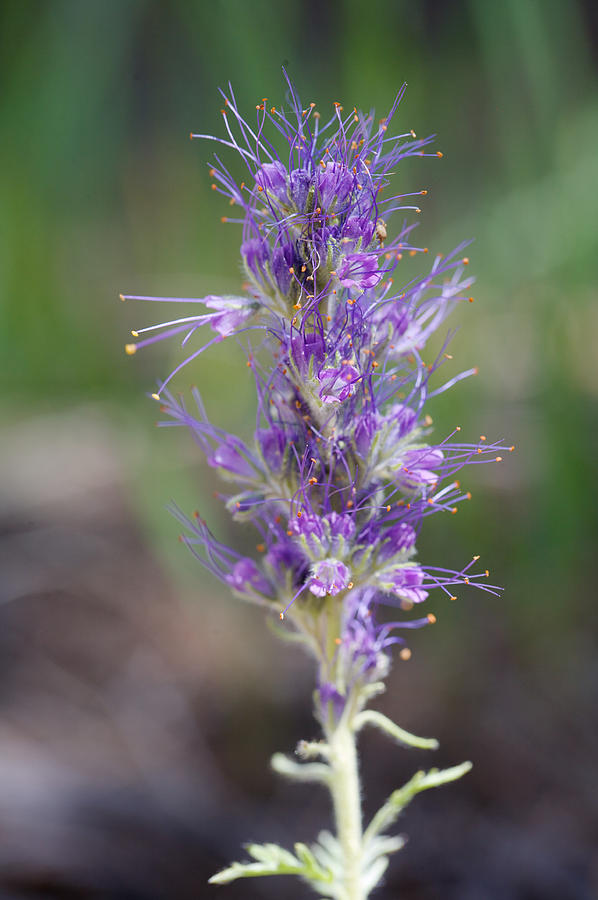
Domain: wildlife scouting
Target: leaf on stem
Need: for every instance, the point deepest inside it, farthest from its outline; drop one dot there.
(315, 772)
(398, 800)
(270, 859)
(378, 720)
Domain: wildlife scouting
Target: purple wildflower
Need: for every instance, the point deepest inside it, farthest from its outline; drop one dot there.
(328, 577)
(341, 472)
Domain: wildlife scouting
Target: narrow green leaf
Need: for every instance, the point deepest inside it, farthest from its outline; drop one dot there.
(274, 860)
(399, 799)
(314, 772)
(379, 720)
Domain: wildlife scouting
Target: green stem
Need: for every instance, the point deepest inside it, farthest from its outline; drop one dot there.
(346, 798)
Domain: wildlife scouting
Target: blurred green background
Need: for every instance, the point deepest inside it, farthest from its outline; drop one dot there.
(101, 191)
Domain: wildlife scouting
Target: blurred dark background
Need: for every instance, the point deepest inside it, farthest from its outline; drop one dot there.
(139, 703)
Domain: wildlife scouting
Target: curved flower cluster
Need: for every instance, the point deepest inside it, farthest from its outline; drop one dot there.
(342, 470)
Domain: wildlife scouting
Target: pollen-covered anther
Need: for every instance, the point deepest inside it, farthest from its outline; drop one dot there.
(439, 154)
(465, 260)
(281, 616)
(313, 480)
(214, 186)
(405, 653)
(130, 349)
(454, 510)
(452, 597)
(338, 641)
(223, 219)
(498, 459)
(350, 586)
(470, 299)
(261, 548)
(431, 618)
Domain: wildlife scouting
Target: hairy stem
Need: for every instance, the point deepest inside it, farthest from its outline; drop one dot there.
(346, 798)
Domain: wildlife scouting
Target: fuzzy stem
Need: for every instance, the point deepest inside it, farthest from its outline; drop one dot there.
(346, 798)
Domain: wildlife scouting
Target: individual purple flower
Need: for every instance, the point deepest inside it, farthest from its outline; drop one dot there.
(341, 525)
(255, 253)
(272, 178)
(404, 582)
(227, 456)
(338, 383)
(420, 467)
(399, 538)
(330, 576)
(329, 693)
(272, 443)
(232, 313)
(333, 186)
(360, 271)
(246, 578)
(311, 529)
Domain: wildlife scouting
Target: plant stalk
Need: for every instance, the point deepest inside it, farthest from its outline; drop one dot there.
(346, 798)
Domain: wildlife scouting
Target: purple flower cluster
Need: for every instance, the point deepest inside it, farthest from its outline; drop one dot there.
(342, 470)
